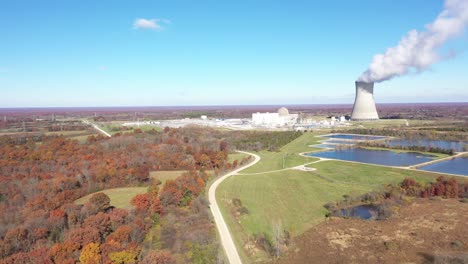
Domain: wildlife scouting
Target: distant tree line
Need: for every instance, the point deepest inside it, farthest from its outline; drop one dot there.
(261, 140)
(406, 133)
(411, 148)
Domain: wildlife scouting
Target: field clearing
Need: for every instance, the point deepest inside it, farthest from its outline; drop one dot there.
(114, 127)
(110, 127)
(119, 197)
(163, 176)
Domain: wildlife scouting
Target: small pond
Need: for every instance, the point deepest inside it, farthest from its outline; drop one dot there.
(379, 157)
(454, 145)
(366, 212)
(455, 166)
(354, 137)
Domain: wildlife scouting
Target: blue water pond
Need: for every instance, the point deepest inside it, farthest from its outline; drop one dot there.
(455, 166)
(379, 157)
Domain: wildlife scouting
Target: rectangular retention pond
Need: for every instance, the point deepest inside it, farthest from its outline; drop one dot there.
(455, 166)
(379, 157)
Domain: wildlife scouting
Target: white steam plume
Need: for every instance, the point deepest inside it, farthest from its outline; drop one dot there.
(418, 50)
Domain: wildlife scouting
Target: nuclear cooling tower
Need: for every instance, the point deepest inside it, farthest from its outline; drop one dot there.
(364, 104)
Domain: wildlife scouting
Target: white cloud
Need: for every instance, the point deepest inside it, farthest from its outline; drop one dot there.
(154, 23)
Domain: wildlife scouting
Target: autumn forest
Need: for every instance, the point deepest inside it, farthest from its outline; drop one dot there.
(39, 182)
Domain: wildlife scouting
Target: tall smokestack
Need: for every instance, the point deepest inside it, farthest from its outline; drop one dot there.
(364, 104)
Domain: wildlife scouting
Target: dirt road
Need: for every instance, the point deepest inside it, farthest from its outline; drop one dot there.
(225, 236)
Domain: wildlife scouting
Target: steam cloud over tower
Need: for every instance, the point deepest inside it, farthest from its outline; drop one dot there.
(364, 104)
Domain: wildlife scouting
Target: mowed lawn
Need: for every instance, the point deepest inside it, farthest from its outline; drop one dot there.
(119, 197)
(365, 174)
(296, 198)
(288, 156)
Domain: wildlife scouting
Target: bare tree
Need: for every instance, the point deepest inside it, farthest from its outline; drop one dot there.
(278, 237)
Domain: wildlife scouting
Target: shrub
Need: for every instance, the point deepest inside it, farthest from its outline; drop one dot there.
(243, 210)
(236, 202)
(384, 211)
(263, 243)
(371, 197)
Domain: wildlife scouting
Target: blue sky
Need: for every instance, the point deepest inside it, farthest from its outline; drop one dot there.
(89, 53)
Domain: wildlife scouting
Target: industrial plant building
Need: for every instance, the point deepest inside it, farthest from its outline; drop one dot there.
(278, 119)
(364, 105)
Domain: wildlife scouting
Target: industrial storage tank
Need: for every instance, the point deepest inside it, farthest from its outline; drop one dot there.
(364, 105)
(283, 111)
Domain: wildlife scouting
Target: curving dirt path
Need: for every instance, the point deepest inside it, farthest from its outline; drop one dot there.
(226, 239)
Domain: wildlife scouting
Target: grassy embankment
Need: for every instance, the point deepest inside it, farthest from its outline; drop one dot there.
(296, 198)
(288, 156)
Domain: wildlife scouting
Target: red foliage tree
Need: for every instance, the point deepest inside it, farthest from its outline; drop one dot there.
(141, 202)
(84, 235)
(65, 252)
(158, 257)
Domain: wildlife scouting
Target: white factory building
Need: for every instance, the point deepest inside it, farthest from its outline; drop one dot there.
(278, 119)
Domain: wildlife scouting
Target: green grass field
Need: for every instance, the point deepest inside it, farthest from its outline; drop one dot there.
(288, 156)
(296, 198)
(114, 127)
(119, 197)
